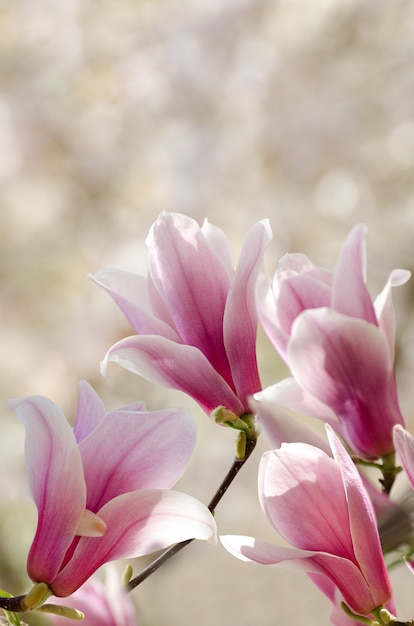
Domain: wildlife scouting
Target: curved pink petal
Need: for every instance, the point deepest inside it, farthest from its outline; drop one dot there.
(404, 445)
(253, 550)
(193, 282)
(240, 318)
(138, 523)
(288, 394)
(350, 295)
(301, 492)
(102, 604)
(296, 263)
(130, 292)
(177, 366)
(349, 580)
(298, 293)
(219, 244)
(330, 590)
(297, 285)
(345, 364)
(130, 451)
(342, 572)
(362, 524)
(384, 307)
(268, 314)
(56, 482)
(280, 424)
(90, 411)
(338, 615)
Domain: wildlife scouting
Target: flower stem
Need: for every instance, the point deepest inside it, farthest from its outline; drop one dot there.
(14, 604)
(251, 438)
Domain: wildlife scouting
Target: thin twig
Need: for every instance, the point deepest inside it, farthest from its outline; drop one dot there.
(170, 552)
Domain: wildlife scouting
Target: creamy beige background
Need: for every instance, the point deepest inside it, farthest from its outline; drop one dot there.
(112, 111)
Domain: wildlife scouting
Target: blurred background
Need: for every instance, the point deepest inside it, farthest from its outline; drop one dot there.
(112, 111)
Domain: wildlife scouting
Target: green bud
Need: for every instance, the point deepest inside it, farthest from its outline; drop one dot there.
(241, 446)
(127, 575)
(221, 415)
(38, 594)
(64, 611)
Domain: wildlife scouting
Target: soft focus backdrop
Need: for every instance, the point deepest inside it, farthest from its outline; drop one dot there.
(112, 111)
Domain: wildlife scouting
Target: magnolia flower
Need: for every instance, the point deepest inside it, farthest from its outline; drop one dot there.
(319, 505)
(102, 603)
(102, 490)
(338, 344)
(194, 315)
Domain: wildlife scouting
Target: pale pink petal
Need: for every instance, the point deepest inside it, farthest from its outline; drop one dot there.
(130, 451)
(138, 523)
(130, 292)
(384, 307)
(56, 482)
(90, 411)
(219, 244)
(90, 525)
(240, 318)
(280, 304)
(287, 393)
(193, 282)
(177, 366)
(301, 492)
(90, 600)
(135, 406)
(350, 294)
(120, 602)
(362, 524)
(103, 604)
(268, 313)
(281, 425)
(293, 264)
(298, 293)
(344, 363)
(253, 550)
(327, 586)
(160, 310)
(344, 574)
(404, 445)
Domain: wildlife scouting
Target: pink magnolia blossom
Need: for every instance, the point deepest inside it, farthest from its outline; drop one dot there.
(338, 344)
(102, 603)
(194, 315)
(102, 490)
(319, 505)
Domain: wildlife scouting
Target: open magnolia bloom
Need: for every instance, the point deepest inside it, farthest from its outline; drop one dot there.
(319, 505)
(338, 344)
(194, 315)
(103, 489)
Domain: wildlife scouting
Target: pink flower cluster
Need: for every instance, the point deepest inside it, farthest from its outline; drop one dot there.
(104, 489)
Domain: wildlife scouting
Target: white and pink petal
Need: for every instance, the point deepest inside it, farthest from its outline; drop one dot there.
(176, 366)
(138, 523)
(240, 317)
(132, 450)
(56, 482)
